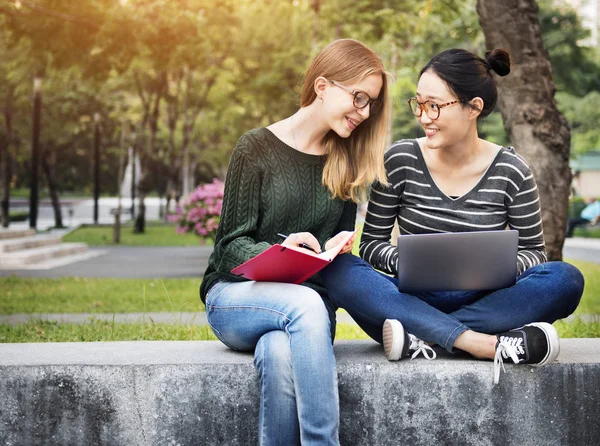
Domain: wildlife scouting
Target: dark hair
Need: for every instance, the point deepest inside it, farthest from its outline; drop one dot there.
(468, 75)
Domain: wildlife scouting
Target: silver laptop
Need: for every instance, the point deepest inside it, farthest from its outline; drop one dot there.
(459, 261)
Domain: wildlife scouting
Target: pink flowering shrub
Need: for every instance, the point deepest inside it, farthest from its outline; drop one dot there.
(200, 211)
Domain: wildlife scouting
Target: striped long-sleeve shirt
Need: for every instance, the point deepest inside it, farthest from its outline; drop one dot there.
(506, 195)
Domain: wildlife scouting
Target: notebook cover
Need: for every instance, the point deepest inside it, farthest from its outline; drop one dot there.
(281, 264)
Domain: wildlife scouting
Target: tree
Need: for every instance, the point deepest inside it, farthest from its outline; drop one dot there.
(583, 115)
(575, 69)
(7, 98)
(73, 27)
(531, 117)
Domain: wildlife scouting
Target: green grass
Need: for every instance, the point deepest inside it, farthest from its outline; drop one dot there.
(156, 234)
(105, 331)
(579, 328)
(590, 301)
(86, 295)
(83, 295)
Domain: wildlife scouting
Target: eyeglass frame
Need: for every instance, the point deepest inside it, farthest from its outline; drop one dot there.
(422, 107)
(354, 93)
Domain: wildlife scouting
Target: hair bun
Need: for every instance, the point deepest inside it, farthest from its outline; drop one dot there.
(499, 61)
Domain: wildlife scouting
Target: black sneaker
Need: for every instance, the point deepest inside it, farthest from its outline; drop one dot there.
(398, 343)
(535, 344)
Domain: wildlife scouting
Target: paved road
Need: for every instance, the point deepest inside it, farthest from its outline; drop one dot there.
(586, 249)
(131, 262)
(80, 210)
(141, 262)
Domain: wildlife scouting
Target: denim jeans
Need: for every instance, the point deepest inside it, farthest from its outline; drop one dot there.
(288, 328)
(543, 293)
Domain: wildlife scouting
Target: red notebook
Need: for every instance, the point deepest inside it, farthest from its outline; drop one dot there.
(283, 264)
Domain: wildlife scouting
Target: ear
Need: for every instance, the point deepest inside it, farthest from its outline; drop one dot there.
(476, 107)
(321, 85)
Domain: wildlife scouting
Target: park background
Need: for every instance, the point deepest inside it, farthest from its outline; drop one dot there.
(95, 89)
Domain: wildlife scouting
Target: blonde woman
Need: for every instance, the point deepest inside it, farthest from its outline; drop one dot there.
(301, 176)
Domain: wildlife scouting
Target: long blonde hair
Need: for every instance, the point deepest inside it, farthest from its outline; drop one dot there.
(355, 162)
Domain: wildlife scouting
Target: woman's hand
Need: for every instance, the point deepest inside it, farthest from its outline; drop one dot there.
(302, 240)
(334, 241)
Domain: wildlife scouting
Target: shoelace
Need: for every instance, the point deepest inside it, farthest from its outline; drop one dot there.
(516, 343)
(506, 349)
(420, 346)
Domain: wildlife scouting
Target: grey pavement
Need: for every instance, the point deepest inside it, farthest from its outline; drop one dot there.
(586, 249)
(77, 211)
(191, 261)
(131, 262)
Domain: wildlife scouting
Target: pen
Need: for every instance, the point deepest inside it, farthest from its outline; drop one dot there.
(302, 245)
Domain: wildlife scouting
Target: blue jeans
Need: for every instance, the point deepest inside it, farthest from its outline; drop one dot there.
(543, 293)
(288, 328)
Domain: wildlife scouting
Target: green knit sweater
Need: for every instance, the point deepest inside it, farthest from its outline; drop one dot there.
(271, 188)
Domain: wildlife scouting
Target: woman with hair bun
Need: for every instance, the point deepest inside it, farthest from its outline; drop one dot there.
(453, 181)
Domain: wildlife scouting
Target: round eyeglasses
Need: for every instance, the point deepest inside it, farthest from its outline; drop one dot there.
(361, 99)
(432, 110)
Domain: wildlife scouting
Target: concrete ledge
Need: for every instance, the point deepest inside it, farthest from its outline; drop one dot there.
(201, 393)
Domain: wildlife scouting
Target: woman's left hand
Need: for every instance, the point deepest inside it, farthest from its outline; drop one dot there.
(334, 241)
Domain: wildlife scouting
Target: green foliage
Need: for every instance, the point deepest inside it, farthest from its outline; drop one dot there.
(189, 77)
(583, 114)
(575, 71)
(576, 205)
(587, 232)
(574, 67)
(18, 216)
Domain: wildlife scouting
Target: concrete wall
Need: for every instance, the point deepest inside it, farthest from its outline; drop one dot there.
(588, 183)
(200, 393)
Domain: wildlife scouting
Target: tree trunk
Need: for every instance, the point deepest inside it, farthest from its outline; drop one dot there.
(96, 163)
(4, 184)
(47, 167)
(5, 168)
(35, 152)
(140, 220)
(122, 148)
(148, 153)
(531, 118)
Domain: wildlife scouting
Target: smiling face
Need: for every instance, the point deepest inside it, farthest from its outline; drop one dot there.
(342, 116)
(455, 123)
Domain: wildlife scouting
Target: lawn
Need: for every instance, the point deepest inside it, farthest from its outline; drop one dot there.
(156, 234)
(86, 295)
(590, 301)
(105, 331)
